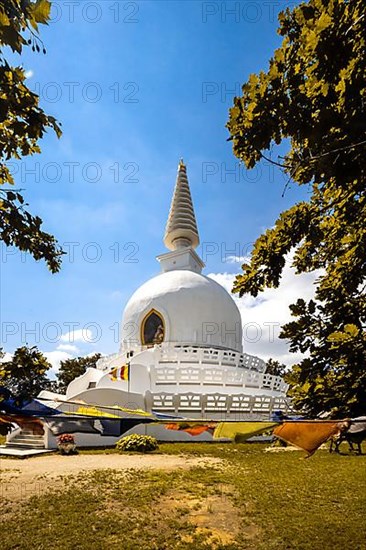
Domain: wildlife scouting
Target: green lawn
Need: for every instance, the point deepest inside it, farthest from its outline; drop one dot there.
(254, 500)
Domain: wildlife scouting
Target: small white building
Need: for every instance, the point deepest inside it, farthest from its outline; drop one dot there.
(182, 342)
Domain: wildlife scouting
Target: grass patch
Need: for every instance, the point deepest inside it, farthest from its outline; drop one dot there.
(253, 500)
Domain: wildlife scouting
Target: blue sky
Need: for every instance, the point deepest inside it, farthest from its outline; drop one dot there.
(136, 85)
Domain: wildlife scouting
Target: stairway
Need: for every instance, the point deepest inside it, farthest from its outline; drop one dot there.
(26, 440)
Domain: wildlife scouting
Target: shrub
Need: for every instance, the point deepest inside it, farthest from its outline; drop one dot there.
(137, 443)
(66, 444)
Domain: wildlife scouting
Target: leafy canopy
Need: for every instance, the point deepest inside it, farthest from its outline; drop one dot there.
(22, 124)
(25, 373)
(275, 368)
(313, 96)
(72, 368)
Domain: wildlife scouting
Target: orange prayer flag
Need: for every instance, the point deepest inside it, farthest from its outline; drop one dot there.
(192, 428)
(308, 436)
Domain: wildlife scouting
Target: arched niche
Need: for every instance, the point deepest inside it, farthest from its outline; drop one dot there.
(152, 328)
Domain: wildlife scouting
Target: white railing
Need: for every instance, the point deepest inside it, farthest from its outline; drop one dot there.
(188, 353)
(214, 376)
(170, 353)
(204, 404)
(185, 364)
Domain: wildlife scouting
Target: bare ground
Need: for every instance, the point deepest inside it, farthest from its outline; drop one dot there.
(26, 477)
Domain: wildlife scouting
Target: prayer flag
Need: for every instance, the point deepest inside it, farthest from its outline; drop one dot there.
(308, 436)
(113, 427)
(35, 425)
(240, 431)
(113, 375)
(30, 407)
(192, 428)
(125, 372)
(97, 410)
(89, 410)
(122, 373)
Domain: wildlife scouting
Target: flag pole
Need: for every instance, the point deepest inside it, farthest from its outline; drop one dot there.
(129, 375)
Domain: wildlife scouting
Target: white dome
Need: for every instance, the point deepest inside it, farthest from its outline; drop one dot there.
(194, 309)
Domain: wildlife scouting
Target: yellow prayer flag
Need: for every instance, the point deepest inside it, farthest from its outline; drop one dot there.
(242, 430)
(125, 372)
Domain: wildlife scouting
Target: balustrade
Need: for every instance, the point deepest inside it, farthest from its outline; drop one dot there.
(214, 403)
(210, 376)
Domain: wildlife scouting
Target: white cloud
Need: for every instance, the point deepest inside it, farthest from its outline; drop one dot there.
(68, 347)
(116, 295)
(236, 259)
(263, 316)
(29, 73)
(7, 357)
(79, 335)
(55, 357)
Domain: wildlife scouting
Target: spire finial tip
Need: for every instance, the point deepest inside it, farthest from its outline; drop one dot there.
(181, 228)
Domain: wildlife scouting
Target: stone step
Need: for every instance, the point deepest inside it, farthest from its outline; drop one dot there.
(22, 452)
(28, 440)
(28, 437)
(24, 445)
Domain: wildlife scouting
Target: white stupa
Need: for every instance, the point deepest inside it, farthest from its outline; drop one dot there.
(182, 339)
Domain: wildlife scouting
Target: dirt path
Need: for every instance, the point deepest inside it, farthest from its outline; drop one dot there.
(23, 478)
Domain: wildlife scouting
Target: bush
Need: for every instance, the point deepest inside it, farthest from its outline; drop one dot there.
(137, 443)
(66, 444)
(66, 438)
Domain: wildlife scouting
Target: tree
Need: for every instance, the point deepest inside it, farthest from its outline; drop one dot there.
(313, 96)
(275, 367)
(25, 374)
(72, 368)
(22, 124)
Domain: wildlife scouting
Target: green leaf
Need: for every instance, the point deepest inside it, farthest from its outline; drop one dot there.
(352, 330)
(311, 102)
(323, 22)
(41, 11)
